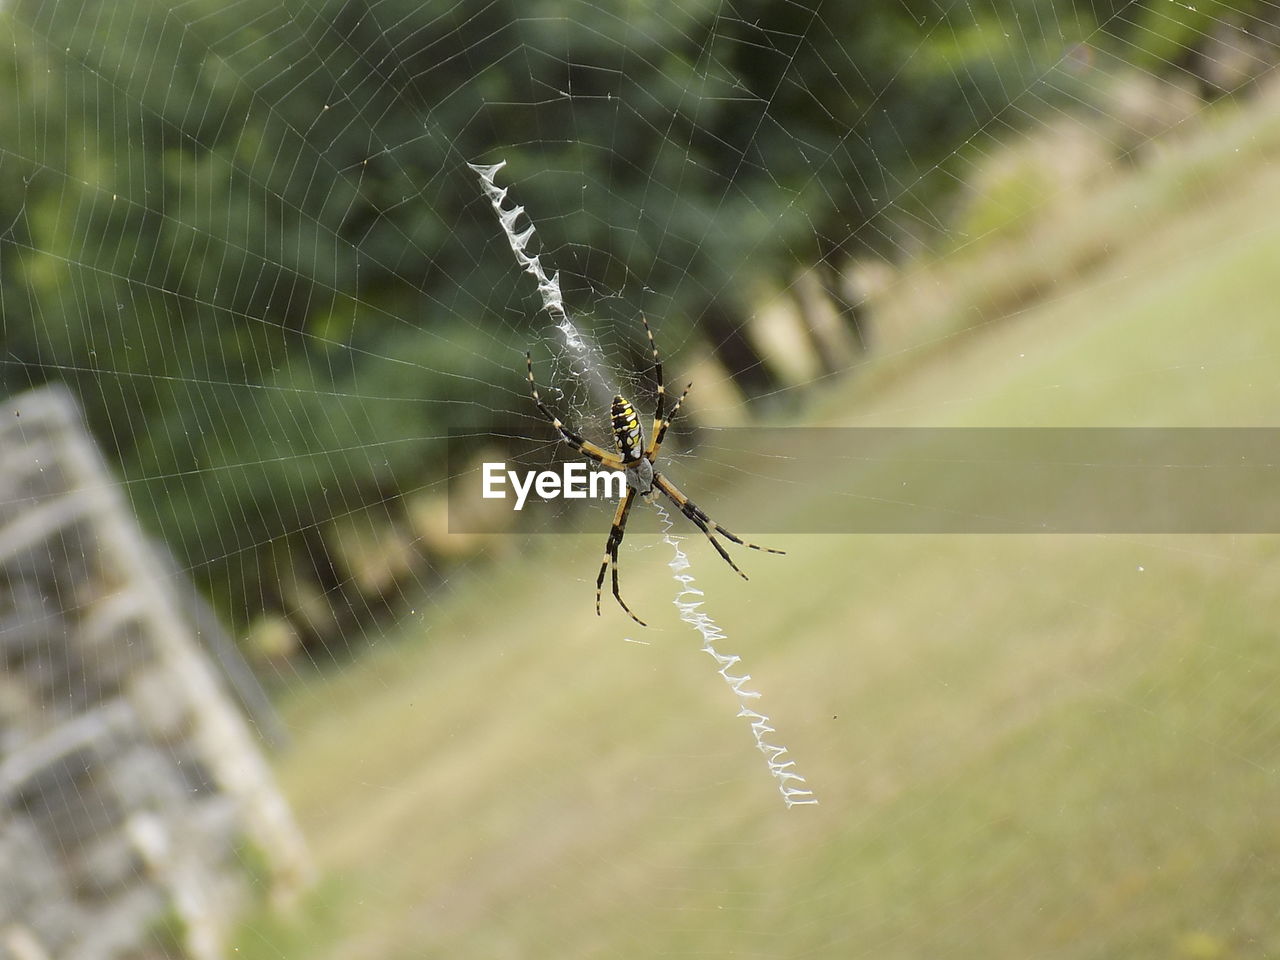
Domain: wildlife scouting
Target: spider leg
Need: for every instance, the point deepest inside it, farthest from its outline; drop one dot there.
(662, 387)
(610, 561)
(693, 513)
(705, 523)
(577, 441)
(660, 427)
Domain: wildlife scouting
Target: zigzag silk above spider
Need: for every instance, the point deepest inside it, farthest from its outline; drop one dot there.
(638, 463)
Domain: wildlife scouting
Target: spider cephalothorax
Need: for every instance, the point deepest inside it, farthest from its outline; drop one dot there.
(637, 461)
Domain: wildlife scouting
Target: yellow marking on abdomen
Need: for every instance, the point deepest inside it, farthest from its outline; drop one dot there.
(626, 429)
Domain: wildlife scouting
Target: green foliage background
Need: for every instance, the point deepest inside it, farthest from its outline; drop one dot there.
(245, 233)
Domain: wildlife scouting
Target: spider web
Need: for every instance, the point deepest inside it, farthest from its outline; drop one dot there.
(248, 239)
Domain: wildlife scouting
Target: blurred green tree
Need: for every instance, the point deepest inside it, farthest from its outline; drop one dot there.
(246, 235)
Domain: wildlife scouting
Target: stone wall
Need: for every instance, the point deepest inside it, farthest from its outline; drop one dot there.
(136, 810)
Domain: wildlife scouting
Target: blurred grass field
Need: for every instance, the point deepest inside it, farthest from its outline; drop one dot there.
(1026, 746)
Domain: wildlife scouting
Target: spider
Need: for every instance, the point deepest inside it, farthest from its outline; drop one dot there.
(637, 462)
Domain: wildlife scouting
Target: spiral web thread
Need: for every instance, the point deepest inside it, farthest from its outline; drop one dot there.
(790, 783)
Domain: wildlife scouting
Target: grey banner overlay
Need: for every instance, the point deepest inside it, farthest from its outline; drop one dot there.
(764, 480)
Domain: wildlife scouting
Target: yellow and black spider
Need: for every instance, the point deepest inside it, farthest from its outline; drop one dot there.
(637, 462)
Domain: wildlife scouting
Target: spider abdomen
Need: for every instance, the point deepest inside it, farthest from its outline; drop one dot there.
(626, 430)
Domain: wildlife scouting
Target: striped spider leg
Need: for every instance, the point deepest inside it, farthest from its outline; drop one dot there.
(609, 462)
